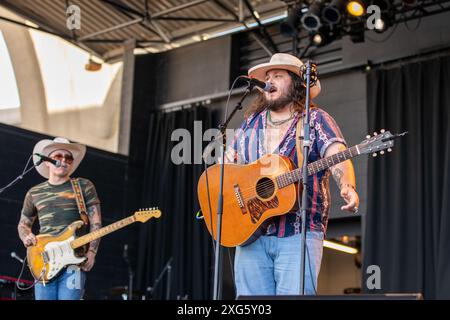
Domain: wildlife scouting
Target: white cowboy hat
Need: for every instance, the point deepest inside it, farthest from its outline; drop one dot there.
(282, 61)
(47, 146)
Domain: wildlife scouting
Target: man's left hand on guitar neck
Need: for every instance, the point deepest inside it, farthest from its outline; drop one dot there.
(344, 175)
(90, 260)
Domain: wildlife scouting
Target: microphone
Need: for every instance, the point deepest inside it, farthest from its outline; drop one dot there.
(57, 163)
(263, 85)
(15, 256)
(313, 76)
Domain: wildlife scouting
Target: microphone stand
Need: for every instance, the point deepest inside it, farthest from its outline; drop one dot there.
(306, 148)
(217, 290)
(167, 267)
(130, 273)
(20, 177)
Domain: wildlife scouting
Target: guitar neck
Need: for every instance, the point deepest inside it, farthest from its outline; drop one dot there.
(294, 176)
(81, 241)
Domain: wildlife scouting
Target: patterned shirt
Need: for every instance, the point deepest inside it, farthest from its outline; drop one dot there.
(248, 146)
(56, 205)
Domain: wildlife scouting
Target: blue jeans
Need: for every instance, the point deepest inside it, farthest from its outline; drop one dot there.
(69, 285)
(271, 265)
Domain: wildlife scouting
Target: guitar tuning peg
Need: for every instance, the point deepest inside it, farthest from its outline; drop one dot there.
(368, 136)
(374, 154)
(389, 150)
(382, 152)
(382, 131)
(375, 133)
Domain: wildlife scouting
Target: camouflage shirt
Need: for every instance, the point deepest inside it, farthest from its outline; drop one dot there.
(56, 205)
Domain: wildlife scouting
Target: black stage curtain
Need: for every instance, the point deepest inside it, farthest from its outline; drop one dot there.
(177, 234)
(407, 230)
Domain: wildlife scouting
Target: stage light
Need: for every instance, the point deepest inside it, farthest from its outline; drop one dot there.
(355, 8)
(332, 12)
(311, 20)
(91, 65)
(289, 27)
(339, 247)
(322, 37)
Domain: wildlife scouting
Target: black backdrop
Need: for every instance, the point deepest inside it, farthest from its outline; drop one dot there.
(408, 216)
(177, 234)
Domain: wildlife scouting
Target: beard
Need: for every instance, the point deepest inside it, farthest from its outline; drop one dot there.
(279, 103)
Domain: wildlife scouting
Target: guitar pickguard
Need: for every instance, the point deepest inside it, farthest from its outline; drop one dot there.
(257, 207)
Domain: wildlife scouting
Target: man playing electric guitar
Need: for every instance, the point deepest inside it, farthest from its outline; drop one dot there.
(271, 264)
(56, 203)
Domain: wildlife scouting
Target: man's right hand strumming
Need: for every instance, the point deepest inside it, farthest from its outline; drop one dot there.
(29, 240)
(24, 229)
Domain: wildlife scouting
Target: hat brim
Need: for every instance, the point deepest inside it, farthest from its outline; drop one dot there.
(46, 147)
(259, 72)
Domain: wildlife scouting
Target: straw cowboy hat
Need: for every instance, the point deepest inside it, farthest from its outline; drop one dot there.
(282, 61)
(46, 147)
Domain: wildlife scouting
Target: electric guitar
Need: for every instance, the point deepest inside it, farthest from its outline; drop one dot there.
(51, 254)
(265, 188)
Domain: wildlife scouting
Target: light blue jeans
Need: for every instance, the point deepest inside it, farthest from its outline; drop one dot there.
(271, 265)
(69, 285)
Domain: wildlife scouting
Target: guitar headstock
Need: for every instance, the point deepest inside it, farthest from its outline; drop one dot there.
(145, 214)
(377, 143)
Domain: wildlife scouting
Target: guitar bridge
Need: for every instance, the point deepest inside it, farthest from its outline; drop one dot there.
(240, 200)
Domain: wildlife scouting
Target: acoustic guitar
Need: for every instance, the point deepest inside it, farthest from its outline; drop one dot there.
(52, 254)
(266, 188)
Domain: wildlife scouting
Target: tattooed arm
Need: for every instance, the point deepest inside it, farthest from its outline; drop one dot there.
(95, 223)
(24, 229)
(344, 175)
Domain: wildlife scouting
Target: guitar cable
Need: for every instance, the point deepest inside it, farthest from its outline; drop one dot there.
(20, 277)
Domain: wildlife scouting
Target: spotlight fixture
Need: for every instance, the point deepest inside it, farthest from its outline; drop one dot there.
(91, 65)
(311, 20)
(333, 11)
(322, 37)
(355, 8)
(289, 27)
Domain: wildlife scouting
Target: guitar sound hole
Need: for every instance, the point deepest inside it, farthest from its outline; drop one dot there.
(265, 188)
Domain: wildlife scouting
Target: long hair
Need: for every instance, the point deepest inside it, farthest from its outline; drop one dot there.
(297, 94)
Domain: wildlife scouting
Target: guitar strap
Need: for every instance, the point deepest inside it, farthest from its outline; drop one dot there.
(80, 200)
(299, 141)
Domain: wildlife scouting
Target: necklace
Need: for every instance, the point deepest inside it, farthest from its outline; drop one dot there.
(277, 123)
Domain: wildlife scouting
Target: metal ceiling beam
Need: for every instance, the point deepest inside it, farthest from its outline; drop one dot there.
(178, 8)
(129, 12)
(160, 31)
(119, 26)
(194, 19)
(261, 27)
(253, 34)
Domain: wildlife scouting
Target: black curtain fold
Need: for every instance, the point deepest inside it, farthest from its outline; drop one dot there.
(407, 230)
(177, 234)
